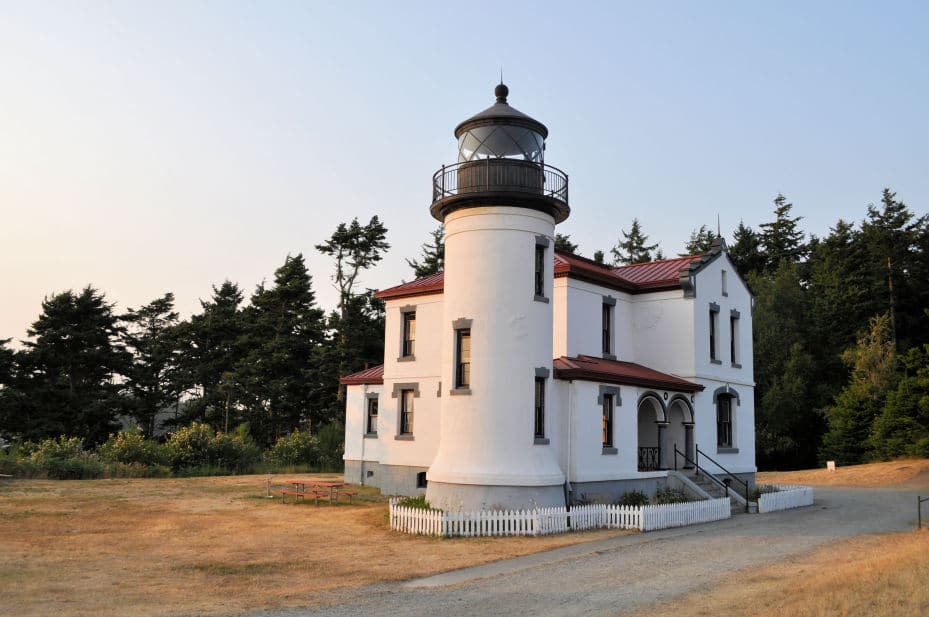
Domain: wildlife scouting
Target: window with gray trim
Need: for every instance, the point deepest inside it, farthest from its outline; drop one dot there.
(724, 421)
(607, 407)
(541, 251)
(408, 347)
(371, 416)
(734, 338)
(406, 411)
(714, 329)
(463, 358)
(539, 431)
(606, 327)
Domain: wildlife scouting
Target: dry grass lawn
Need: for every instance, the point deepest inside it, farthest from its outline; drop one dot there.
(866, 576)
(207, 546)
(901, 471)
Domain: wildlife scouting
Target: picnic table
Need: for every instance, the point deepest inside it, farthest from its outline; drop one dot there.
(317, 489)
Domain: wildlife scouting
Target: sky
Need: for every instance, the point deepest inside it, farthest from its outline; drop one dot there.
(148, 147)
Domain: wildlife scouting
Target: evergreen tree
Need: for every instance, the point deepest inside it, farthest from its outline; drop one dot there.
(71, 367)
(355, 248)
(633, 249)
(149, 337)
(782, 238)
(700, 241)
(745, 251)
(212, 345)
(433, 255)
(598, 257)
(851, 417)
(280, 381)
(8, 391)
(563, 243)
(891, 240)
(902, 428)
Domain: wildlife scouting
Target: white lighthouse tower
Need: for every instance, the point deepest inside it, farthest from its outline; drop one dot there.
(499, 203)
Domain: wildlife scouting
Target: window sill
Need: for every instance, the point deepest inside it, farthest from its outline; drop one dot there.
(540, 441)
(370, 435)
(459, 391)
(608, 356)
(541, 299)
(404, 437)
(610, 450)
(725, 294)
(720, 450)
(715, 361)
(736, 365)
(406, 359)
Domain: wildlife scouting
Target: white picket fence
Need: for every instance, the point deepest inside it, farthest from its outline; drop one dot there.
(788, 496)
(544, 521)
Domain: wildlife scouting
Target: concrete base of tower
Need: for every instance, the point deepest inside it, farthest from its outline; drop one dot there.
(466, 497)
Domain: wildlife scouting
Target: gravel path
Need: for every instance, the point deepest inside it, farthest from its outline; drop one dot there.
(610, 576)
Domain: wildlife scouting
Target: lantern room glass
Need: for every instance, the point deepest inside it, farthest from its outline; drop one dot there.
(498, 141)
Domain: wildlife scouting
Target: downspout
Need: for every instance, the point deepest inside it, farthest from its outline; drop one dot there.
(364, 428)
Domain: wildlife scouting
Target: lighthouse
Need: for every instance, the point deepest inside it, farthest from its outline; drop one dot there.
(499, 204)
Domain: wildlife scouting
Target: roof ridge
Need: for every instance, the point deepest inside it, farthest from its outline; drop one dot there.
(661, 261)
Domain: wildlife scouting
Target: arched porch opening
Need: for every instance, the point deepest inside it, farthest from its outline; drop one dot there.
(679, 434)
(651, 421)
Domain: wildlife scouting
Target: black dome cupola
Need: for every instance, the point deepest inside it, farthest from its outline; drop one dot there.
(501, 161)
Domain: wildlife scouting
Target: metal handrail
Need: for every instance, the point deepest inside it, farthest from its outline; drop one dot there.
(512, 175)
(709, 475)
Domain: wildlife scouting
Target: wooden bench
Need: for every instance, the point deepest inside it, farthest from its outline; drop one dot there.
(349, 493)
(302, 494)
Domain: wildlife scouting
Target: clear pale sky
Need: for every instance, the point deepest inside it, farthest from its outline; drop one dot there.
(148, 147)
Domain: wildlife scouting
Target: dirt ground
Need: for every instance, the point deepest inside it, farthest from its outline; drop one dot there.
(208, 546)
(902, 471)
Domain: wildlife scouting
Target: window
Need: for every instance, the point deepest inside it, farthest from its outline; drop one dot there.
(606, 327)
(714, 329)
(734, 338)
(406, 412)
(541, 246)
(607, 420)
(463, 358)
(540, 408)
(724, 290)
(540, 271)
(421, 480)
(371, 421)
(408, 349)
(724, 421)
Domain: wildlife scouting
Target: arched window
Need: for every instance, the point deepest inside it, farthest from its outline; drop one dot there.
(726, 401)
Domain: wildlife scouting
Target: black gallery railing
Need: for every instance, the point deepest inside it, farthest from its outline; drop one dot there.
(509, 175)
(649, 459)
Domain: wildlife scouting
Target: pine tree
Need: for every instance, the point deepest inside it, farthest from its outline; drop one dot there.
(8, 391)
(563, 243)
(851, 417)
(782, 239)
(72, 365)
(700, 241)
(633, 248)
(745, 251)
(433, 260)
(598, 257)
(279, 382)
(149, 337)
(902, 428)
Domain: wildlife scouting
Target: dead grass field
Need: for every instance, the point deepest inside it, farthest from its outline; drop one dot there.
(866, 576)
(901, 471)
(207, 546)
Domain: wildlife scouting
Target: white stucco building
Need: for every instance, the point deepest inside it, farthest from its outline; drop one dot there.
(524, 376)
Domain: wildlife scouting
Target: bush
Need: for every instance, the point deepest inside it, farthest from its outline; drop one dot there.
(298, 448)
(670, 495)
(415, 502)
(633, 498)
(761, 489)
(331, 439)
(65, 459)
(131, 447)
(197, 446)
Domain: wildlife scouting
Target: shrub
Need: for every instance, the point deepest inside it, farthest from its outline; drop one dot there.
(131, 447)
(670, 495)
(761, 489)
(418, 501)
(297, 448)
(65, 459)
(197, 446)
(331, 439)
(633, 498)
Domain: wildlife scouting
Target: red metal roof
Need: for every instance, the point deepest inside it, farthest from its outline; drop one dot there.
(590, 368)
(431, 284)
(373, 375)
(637, 278)
(665, 272)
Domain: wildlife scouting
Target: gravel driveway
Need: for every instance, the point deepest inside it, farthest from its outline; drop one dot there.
(610, 576)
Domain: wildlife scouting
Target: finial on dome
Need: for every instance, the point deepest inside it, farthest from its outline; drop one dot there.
(501, 91)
